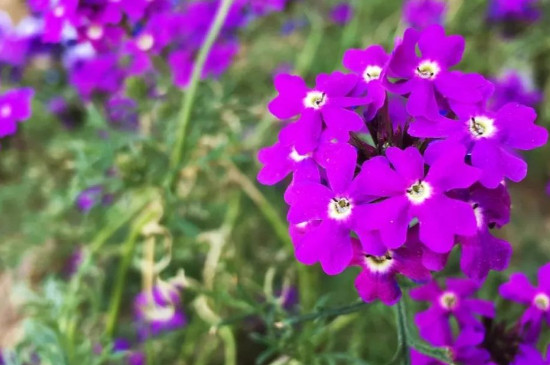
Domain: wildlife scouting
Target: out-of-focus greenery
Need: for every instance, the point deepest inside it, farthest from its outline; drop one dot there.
(228, 233)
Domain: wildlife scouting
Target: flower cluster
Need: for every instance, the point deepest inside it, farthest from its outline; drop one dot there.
(396, 163)
(102, 44)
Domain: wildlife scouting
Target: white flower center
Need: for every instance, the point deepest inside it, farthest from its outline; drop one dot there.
(59, 11)
(95, 32)
(296, 157)
(427, 70)
(542, 301)
(419, 192)
(372, 73)
(379, 264)
(315, 99)
(478, 212)
(5, 111)
(448, 300)
(481, 126)
(339, 208)
(145, 42)
(159, 313)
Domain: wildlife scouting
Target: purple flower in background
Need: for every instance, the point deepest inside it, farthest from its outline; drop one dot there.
(434, 323)
(326, 104)
(262, 7)
(377, 279)
(159, 310)
(369, 64)
(89, 198)
(519, 289)
(336, 208)
(97, 75)
(420, 14)
(512, 88)
(60, 15)
(490, 137)
(463, 351)
(523, 10)
(133, 357)
(15, 106)
(71, 115)
(122, 113)
(410, 193)
(341, 13)
(427, 78)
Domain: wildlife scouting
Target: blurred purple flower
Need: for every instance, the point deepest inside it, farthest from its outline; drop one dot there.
(522, 10)
(512, 88)
(159, 310)
(341, 13)
(537, 300)
(89, 198)
(15, 107)
(420, 14)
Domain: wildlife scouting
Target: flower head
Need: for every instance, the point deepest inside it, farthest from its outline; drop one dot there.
(15, 106)
(537, 300)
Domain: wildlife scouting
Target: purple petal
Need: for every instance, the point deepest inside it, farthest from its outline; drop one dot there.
(290, 101)
(408, 163)
(372, 286)
(521, 131)
(311, 202)
(518, 289)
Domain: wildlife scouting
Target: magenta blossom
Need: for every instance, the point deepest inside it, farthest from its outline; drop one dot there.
(326, 104)
(537, 300)
(377, 279)
(15, 106)
(420, 14)
(522, 10)
(409, 193)
(434, 323)
(490, 137)
(427, 78)
(337, 208)
(369, 64)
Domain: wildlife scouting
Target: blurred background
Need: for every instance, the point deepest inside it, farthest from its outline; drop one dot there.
(87, 221)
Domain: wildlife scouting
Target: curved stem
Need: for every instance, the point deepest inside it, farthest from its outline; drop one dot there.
(189, 96)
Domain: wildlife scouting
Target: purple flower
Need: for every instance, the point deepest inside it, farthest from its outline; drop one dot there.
(434, 323)
(529, 355)
(326, 104)
(280, 160)
(410, 193)
(263, 7)
(523, 10)
(97, 75)
(463, 351)
(341, 13)
(490, 137)
(377, 279)
(427, 78)
(420, 14)
(133, 357)
(511, 88)
(369, 64)
(159, 310)
(15, 106)
(89, 198)
(61, 14)
(122, 113)
(336, 209)
(519, 289)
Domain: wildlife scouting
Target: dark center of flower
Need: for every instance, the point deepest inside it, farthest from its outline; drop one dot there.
(315, 99)
(427, 70)
(481, 126)
(448, 300)
(419, 192)
(379, 263)
(339, 208)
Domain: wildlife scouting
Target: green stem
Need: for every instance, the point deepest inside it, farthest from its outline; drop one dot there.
(128, 254)
(189, 96)
(403, 340)
(334, 312)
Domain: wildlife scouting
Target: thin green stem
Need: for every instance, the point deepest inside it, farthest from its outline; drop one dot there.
(190, 94)
(334, 312)
(122, 272)
(403, 340)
